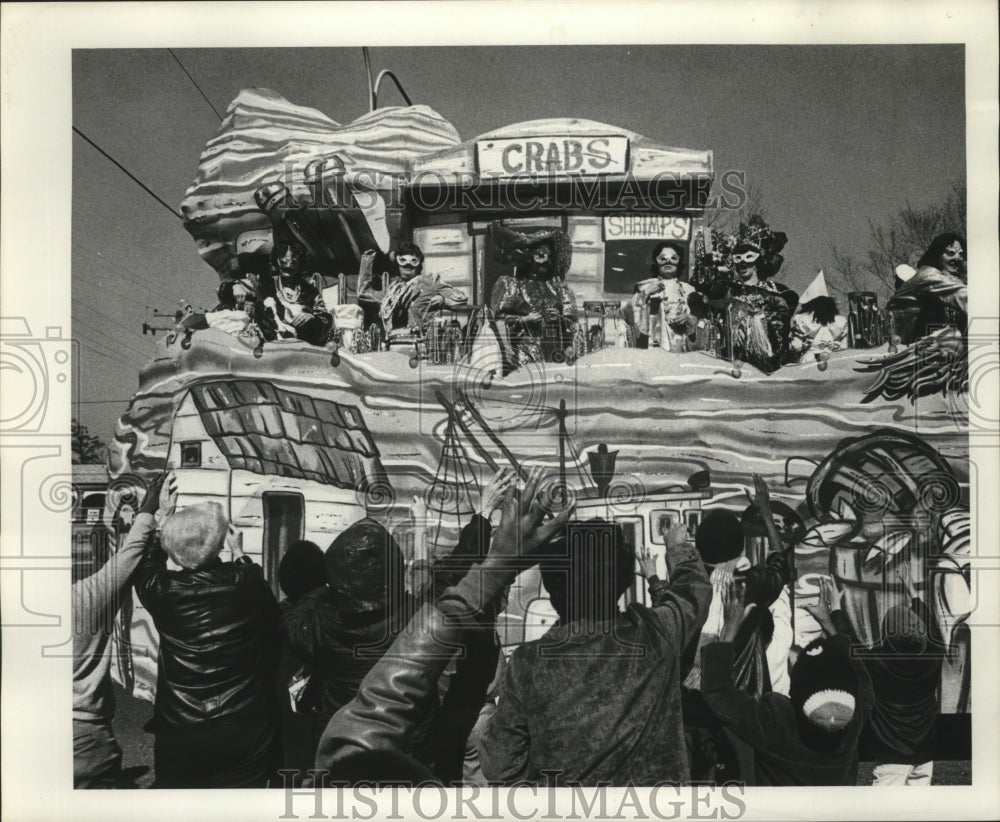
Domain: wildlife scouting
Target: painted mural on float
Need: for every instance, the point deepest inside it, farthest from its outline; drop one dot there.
(412, 396)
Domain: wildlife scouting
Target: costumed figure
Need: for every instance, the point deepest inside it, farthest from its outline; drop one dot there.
(753, 309)
(936, 295)
(407, 300)
(661, 306)
(539, 308)
(289, 302)
(818, 327)
(232, 314)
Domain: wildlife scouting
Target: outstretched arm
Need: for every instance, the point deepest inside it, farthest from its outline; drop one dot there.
(742, 713)
(681, 608)
(394, 696)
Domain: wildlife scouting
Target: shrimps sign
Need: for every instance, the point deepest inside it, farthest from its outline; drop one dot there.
(552, 155)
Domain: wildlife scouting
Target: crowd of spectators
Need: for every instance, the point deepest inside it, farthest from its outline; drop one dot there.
(357, 676)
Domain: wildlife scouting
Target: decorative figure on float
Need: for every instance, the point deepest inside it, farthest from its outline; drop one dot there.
(538, 307)
(753, 310)
(408, 297)
(661, 308)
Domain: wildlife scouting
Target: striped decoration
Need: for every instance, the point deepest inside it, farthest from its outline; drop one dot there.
(262, 133)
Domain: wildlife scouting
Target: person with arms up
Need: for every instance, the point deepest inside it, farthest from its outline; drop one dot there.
(809, 737)
(616, 674)
(214, 714)
(97, 756)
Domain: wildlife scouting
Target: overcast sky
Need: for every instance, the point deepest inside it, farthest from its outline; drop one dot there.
(832, 135)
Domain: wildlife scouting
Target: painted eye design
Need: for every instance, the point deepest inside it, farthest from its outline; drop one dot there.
(815, 651)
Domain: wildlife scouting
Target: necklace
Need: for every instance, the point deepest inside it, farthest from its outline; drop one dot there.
(289, 294)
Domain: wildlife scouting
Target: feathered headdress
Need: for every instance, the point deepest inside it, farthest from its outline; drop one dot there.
(516, 247)
(754, 233)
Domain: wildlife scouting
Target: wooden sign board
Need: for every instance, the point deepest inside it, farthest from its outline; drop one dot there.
(553, 155)
(647, 227)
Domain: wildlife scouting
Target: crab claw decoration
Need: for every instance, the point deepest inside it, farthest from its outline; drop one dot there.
(887, 551)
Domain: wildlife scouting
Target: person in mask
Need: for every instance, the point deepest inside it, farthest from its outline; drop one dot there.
(408, 297)
(539, 308)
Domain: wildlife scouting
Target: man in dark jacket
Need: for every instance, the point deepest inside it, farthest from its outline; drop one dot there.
(214, 714)
(614, 674)
(369, 737)
(342, 628)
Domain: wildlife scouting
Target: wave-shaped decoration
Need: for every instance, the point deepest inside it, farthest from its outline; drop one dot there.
(738, 428)
(262, 132)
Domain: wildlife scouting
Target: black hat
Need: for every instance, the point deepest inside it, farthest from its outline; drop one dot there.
(364, 568)
(719, 537)
(301, 569)
(823, 686)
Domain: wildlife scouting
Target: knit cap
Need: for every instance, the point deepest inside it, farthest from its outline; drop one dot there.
(824, 686)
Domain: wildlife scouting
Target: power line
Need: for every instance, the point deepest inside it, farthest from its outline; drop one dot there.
(135, 179)
(96, 347)
(112, 320)
(147, 289)
(119, 358)
(100, 339)
(202, 93)
(110, 334)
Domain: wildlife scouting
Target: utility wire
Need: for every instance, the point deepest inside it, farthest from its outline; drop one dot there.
(135, 179)
(113, 357)
(112, 320)
(147, 289)
(195, 82)
(90, 334)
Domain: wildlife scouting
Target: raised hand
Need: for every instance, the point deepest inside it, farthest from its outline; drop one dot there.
(168, 495)
(523, 525)
(734, 613)
(761, 498)
(151, 502)
(234, 542)
(826, 603)
(493, 493)
(647, 562)
(677, 537)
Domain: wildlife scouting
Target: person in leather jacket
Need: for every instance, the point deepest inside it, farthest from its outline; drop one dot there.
(367, 739)
(343, 627)
(214, 716)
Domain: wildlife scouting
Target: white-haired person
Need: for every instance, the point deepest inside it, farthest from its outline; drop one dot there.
(215, 715)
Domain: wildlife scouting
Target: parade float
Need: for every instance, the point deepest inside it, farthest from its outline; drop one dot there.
(868, 445)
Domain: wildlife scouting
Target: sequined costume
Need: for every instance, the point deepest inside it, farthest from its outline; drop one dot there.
(756, 317)
(546, 338)
(405, 305)
(928, 300)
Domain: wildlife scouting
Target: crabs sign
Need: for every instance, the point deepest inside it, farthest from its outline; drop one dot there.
(606, 154)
